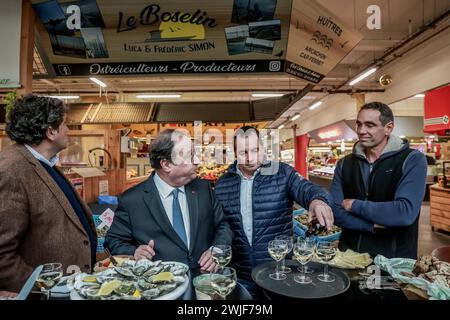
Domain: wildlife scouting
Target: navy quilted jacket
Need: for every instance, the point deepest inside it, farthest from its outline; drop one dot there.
(273, 194)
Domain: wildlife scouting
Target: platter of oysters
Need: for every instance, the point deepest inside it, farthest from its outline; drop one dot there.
(132, 280)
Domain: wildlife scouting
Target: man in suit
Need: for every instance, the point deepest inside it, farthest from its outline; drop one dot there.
(172, 215)
(42, 218)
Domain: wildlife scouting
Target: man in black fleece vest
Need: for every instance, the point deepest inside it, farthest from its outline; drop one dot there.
(378, 189)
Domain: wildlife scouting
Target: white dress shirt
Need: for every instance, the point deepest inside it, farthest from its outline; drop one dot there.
(165, 193)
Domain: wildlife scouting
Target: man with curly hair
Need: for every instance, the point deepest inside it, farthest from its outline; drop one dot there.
(42, 218)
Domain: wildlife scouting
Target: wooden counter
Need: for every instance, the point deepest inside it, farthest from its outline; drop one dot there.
(116, 184)
(439, 208)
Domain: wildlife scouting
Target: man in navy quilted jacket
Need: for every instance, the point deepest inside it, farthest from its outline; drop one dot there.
(257, 197)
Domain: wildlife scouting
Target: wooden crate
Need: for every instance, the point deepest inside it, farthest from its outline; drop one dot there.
(440, 208)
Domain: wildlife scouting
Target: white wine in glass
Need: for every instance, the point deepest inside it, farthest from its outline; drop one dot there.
(49, 277)
(305, 268)
(326, 252)
(221, 255)
(303, 253)
(278, 250)
(224, 281)
(290, 243)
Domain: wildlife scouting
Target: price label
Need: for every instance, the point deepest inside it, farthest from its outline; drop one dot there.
(107, 218)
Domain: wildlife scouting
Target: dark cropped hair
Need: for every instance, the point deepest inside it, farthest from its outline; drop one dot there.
(161, 148)
(386, 114)
(242, 131)
(31, 116)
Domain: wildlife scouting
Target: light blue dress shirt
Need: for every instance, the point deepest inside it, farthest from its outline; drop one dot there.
(165, 193)
(53, 161)
(246, 198)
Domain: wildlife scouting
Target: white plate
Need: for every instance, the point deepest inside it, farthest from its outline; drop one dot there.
(175, 294)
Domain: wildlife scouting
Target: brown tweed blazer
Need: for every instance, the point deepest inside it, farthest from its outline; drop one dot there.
(37, 222)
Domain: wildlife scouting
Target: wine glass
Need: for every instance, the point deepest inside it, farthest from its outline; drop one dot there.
(49, 276)
(303, 253)
(278, 250)
(221, 255)
(325, 252)
(305, 268)
(290, 243)
(224, 281)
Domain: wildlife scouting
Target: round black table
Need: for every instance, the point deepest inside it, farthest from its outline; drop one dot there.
(352, 293)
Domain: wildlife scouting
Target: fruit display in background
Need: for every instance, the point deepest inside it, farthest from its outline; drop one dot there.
(211, 172)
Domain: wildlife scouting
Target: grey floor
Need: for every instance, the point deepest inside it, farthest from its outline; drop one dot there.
(428, 239)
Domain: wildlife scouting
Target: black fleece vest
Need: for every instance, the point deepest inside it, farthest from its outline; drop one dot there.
(382, 184)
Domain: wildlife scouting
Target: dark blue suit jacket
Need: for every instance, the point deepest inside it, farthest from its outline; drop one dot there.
(140, 217)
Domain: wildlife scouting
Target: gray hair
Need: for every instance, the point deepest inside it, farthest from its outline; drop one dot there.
(162, 148)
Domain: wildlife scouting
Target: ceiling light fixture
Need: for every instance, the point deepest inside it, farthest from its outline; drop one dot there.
(420, 95)
(64, 97)
(295, 117)
(267, 95)
(281, 127)
(100, 83)
(362, 76)
(158, 95)
(315, 105)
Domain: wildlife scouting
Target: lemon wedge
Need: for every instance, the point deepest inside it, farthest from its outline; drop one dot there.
(90, 279)
(108, 287)
(137, 294)
(163, 277)
(120, 260)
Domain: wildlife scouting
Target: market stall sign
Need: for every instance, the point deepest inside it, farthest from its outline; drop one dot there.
(10, 28)
(437, 110)
(112, 37)
(318, 41)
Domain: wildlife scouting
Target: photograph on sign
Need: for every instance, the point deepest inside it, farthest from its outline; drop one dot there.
(148, 38)
(236, 39)
(90, 13)
(259, 45)
(95, 44)
(68, 46)
(52, 17)
(245, 11)
(267, 30)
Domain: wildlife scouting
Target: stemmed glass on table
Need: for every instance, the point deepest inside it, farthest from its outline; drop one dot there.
(303, 253)
(326, 252)
(224, 281)
(221, 255)
(290, 243)
(304, 268)
(49, 277)
(278, 250)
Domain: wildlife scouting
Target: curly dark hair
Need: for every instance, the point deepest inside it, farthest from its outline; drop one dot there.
(31, 116)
